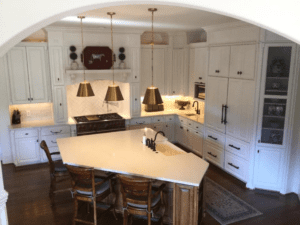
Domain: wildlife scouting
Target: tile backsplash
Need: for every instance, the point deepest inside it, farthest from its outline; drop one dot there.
(78, 106)
(33, 112)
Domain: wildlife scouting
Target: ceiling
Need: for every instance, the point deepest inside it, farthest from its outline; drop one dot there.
(168, 18)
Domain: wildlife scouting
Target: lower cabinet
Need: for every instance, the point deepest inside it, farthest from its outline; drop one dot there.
(60, 104)
(236, 166)
(168, 129)
(196, 139)
(214, 154)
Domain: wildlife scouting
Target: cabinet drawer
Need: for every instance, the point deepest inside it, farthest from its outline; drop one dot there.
(198, 126)
(190, 123)
(215, 137)
(26, 133)
(55, 130)
(182, 121)
(170, 118)
(158, 119)
(140, 121)
(213, 154)
(51, 139)
(237, 166)
(237, 147)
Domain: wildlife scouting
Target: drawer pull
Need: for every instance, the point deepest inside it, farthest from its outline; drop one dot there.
(181, 127)
(54, 142)
(26, 134)
(212, 154)
(158, 120)
(187, 130)
(230, 164)
(140, 122)
(190, 124)
(232, 146)
(212, 137)
(197, 127)
(55, 132)
(196, 132)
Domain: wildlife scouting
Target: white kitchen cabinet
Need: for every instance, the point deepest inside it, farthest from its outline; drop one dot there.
(60, 104)
(168, 129)
(236, 166)
(242, 61)
(196, 140)
(178, 72)
(135, 100)
(219, 61)
(213, 154)
(25, 146)
(240, 109)
(216, 98)
(28, 74)
(267, 173)
(158, 69)
(135, 64)
(56, 65)
(198, 67)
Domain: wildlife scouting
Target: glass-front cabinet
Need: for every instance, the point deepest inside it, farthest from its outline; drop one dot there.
(277, 75)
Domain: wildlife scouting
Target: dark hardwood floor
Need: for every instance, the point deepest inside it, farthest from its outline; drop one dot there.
(29, 202)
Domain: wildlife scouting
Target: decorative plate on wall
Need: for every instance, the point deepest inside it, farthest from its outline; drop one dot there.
(97, 58)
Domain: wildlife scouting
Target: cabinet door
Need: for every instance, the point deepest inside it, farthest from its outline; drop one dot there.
(60, 104)
(178, 71)
(158, 127)
(201, 64)
(187, 137)
(158, 69)
(135, 64)
(27, 151)
(192, 77)
(240, 109)
(216, 97)
(197, 142)
(56, 65)
(169, 131)
(37, 74)
(219, 61)
(135, 101)
(179, 133)
(242, 62)
(18, 75)
(268, 168)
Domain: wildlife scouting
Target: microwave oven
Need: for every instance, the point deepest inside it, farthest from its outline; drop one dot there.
(199, 90)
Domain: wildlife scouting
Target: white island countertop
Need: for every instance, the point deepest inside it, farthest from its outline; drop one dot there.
(123, 152)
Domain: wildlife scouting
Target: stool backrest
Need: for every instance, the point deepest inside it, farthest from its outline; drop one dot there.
(44, 146)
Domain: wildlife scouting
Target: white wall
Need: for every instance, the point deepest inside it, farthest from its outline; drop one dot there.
(4, 114)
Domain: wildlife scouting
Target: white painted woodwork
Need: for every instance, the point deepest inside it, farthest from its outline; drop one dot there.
(37, 74)
(60, 104)
(18, 75)
(140, 121)
(135, 103)
(187, 137)
(178, 72)
(267, 173)
(157, 127)
(237, 147)
(27, 151)
(158, 69)
(179, 133)
(213, 154)
(168, 129)
(240, 109)
(169, 71)
(242, 59)
(135, 64)
(219, 61)
(236, 166)
(56, 65)
(192, 75)
(215, 138)
(216, 96)
(123, 152)
(56, 130)
(197, 141)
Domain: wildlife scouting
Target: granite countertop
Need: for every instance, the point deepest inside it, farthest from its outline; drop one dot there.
(123, 152)
(39, 123)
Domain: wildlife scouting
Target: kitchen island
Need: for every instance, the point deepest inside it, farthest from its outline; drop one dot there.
(123, 152)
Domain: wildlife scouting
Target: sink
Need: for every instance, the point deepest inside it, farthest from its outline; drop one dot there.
(167, 149)
(190, 114)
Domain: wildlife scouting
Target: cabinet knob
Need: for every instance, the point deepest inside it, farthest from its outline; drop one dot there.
(217, 71)
(258, 141)
(60, 104)
(57, 78)
(257, 151)
(135, 77)
(200, 78)
(28, 99)
(37, 140)
(240, 72)
(136, 99)
(173, 92)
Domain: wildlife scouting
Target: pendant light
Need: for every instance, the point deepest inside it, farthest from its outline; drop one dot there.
(152, 95)
(113, 92)
(85, 88)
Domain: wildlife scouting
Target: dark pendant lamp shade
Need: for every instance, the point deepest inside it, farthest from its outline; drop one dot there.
(85, 90)
(152, 96)
(113, 93)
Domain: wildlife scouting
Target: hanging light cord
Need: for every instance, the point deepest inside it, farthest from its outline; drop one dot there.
(152, 46)
(112, 46)
(81, 17)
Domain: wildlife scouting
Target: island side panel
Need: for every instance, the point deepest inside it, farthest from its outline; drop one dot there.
(185, 205)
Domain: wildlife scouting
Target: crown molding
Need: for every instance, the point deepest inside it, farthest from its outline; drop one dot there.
(227, 26)
(93, 30)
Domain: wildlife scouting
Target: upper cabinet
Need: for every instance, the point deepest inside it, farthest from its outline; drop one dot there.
(198, 64)
(56, 65)
(180, 73)
(219, 61)
(233, 61)
(28, 74)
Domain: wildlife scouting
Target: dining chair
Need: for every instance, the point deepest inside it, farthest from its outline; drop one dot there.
(58, 172)
(141, 200)
(88, 188)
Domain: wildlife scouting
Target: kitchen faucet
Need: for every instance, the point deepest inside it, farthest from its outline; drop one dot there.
(158, 133)
(151, 143)
(197, 110)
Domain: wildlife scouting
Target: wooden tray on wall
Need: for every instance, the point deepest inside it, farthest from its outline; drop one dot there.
(97, 58)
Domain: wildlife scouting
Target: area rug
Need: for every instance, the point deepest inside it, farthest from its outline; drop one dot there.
(225, 207)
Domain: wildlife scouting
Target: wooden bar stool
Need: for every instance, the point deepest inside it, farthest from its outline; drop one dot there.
(57, 170)
(139, 199)
(87, 188)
